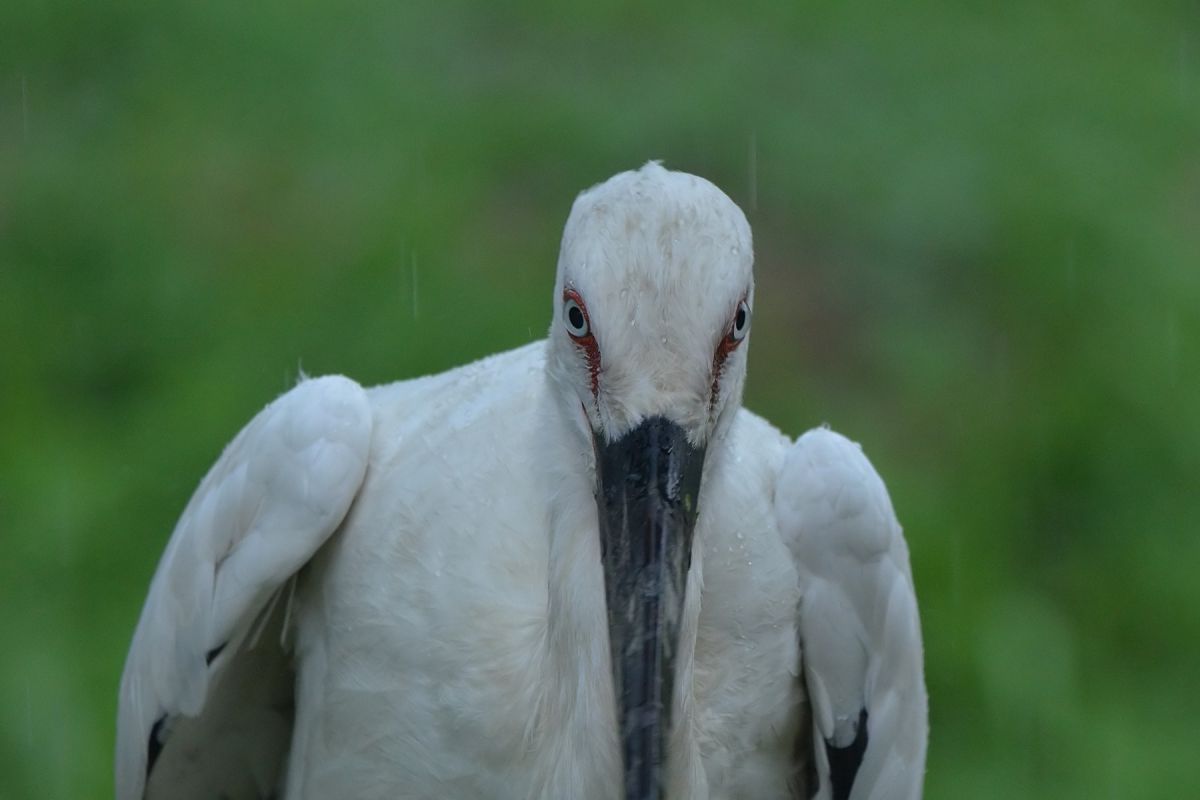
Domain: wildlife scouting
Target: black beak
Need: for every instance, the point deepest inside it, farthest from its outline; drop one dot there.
(648, 485)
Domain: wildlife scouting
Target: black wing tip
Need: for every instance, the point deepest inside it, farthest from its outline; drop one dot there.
(211, 655)
(845, 761)
(155, 745)
(158, 732)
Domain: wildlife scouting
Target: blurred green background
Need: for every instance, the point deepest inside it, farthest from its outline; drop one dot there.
(978, 239)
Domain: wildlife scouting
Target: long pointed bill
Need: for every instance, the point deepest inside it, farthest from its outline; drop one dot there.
(649, 481)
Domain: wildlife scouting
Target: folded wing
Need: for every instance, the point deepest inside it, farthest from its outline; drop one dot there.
(860, 634)
(205, 701)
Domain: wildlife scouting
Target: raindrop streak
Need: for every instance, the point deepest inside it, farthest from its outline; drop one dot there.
(28, 713)
(956, 578)
(753, 171)
(1173, 348)
(414, 284)
(1071, 291)
(1184, 75)
(24, 109)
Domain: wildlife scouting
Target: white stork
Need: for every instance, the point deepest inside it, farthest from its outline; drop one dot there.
(579, 569)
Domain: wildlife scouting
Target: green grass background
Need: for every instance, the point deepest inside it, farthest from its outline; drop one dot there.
(978, 240)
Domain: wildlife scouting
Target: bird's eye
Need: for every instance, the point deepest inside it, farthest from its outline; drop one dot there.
(575, 318)
(741, 322)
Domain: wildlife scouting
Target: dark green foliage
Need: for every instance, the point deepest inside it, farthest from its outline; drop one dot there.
(978, 237)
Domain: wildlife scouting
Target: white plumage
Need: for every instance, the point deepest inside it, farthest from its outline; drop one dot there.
(397, 592)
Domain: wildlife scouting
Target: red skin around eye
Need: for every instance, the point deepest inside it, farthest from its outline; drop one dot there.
(587, 344)
(728, 345)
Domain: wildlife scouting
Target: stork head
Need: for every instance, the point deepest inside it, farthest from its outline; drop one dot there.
(652, 304)
(651, 321)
